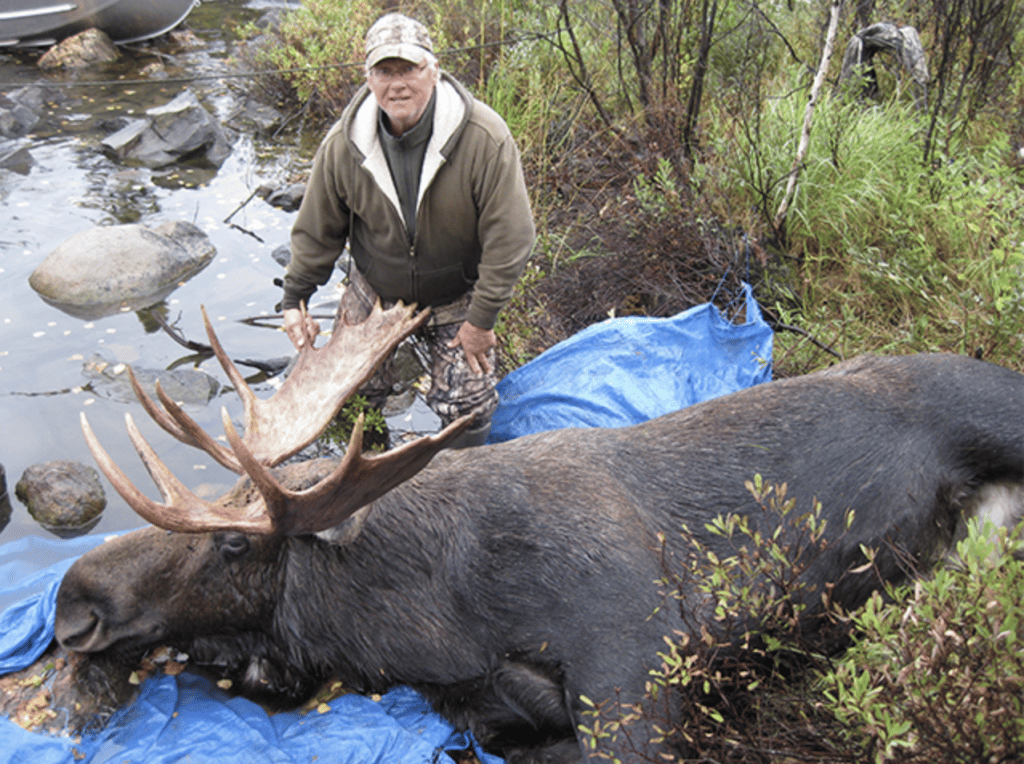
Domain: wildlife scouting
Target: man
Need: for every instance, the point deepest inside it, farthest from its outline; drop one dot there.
(425, 184)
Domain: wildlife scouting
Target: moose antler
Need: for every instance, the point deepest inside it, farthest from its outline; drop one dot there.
(275, 429)
(318, 386)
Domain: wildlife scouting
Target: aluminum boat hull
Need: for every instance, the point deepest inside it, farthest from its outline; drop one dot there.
(33, 23)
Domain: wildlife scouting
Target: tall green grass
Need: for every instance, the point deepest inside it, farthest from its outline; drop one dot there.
(883, 253)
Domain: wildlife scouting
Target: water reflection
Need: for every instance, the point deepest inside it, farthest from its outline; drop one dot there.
(100, 311)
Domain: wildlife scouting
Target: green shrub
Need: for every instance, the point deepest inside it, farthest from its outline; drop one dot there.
(318, 50)
(754, 626)
(937, 674)
(931, 672)
(375, 426)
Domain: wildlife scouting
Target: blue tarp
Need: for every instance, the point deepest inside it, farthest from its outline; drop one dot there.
(627, 370)
(619, 372)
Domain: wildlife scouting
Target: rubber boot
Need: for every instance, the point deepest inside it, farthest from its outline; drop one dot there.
(474, 437)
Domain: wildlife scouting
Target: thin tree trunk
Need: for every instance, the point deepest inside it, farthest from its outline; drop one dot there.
(697, 87)
(805, 136)
(577, 66)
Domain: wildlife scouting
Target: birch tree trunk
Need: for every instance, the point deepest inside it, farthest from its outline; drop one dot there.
(805, 136)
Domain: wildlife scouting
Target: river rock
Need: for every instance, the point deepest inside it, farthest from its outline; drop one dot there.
(287, 199)
(185, 386)
(282, 255)
(37, 97)
(112, 268)
(16, 119)
(5, 500)
(16, 158)
(66, 498)
(184, 39)
(86, 48)
(254, 117)
(181, 129)
(21, 109)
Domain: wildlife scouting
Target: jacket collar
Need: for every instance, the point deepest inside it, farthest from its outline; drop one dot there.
(451, 112)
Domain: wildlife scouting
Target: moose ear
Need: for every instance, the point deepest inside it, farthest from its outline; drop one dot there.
(347, 531)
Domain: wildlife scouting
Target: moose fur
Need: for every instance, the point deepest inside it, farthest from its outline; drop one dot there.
(506, 582)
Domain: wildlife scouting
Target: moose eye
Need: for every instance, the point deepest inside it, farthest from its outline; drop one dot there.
(231, 546)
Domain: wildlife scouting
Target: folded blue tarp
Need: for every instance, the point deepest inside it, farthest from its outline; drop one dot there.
(619, 372)
(627, 370)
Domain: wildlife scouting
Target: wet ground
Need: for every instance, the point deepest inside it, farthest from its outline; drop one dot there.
(71, 186)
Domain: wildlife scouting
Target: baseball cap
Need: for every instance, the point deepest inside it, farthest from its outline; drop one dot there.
(397, 36)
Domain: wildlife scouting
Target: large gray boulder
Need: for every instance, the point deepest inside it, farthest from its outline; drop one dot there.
(66, 498)
(112, 268)
(181, 129)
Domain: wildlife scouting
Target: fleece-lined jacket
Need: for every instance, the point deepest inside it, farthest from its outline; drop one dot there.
(474, 227)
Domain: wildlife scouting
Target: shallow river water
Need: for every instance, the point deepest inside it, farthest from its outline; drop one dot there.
(71, 186)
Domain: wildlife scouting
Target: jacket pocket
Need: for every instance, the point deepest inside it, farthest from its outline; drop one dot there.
(440, 286)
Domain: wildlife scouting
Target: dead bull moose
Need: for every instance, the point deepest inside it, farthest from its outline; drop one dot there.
(505, 582)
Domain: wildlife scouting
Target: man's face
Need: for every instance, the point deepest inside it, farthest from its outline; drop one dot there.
(402, 90)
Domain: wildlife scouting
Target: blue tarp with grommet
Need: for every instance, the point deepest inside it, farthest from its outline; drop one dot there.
(619, 372)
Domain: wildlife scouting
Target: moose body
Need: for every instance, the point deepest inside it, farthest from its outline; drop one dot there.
(507, 582)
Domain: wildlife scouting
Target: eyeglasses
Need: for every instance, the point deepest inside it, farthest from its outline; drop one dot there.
(396, 71)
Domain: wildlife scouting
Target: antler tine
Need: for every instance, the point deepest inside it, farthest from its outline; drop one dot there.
(359, 480)
(274, 495)
(135, 498)
(155, 412)
(182, 510)
(174, 420)
(245, 392)
(194, 435)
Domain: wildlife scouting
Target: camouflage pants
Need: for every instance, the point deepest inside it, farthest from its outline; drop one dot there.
(454, 389)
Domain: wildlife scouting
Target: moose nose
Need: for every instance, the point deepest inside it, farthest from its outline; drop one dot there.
(80, 631)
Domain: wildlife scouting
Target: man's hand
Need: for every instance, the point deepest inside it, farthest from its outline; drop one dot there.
(300, 327)
(476, 343)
